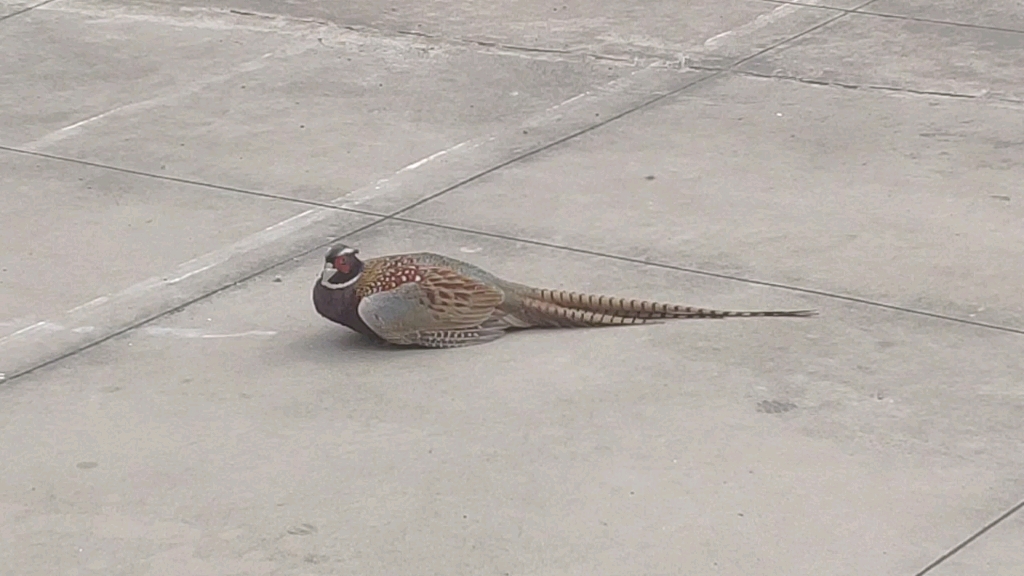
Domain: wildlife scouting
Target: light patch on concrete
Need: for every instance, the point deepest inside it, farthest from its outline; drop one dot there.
(188, 17)
(165, 99)
(433, 156)
(37, 327)
(196, 333)
(89, 304)
(149, 330)
(192, 272)
(754, 25)
(381, 187)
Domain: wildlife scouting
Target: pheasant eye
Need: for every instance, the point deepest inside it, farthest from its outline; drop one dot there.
(341, 265)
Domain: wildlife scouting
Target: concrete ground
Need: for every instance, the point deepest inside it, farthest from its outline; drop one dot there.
(173, 172)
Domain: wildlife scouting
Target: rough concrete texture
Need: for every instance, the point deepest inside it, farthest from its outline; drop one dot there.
(178, 169)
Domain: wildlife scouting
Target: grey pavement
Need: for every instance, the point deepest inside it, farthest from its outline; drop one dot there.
(171, 403)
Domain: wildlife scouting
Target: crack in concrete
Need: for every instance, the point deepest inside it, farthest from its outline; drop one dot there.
(900, 17)
(983, 95)
(978, 534)
(638, 58)
(25, 9)
(329, 34)
(634, 57)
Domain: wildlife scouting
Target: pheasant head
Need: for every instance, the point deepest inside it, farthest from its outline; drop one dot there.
(342, 268)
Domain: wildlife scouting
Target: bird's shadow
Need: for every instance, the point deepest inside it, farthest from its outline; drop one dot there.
(322, 344)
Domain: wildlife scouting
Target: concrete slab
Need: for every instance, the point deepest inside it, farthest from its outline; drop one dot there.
(904, 54)
(909, 200)
(998, 552)
(71, 233)
(221, 440)
(1005, 14)
(292, 108)
(651, 32)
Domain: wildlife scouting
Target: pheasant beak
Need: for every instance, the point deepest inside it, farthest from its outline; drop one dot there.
(328, 272)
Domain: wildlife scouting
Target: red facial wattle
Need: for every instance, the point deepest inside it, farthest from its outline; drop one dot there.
(342, 265)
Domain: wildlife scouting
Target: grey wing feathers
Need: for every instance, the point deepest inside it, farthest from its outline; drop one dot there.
(393, 312)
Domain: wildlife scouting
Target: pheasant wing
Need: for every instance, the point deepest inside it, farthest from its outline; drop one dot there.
(441, 300)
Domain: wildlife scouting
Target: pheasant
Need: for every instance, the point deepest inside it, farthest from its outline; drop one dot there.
(433, 301)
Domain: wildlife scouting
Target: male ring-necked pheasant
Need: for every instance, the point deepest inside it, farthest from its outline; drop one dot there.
(432, 301)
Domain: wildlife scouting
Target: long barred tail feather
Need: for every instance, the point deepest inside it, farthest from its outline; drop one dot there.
(541, 313)
(645, 309)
